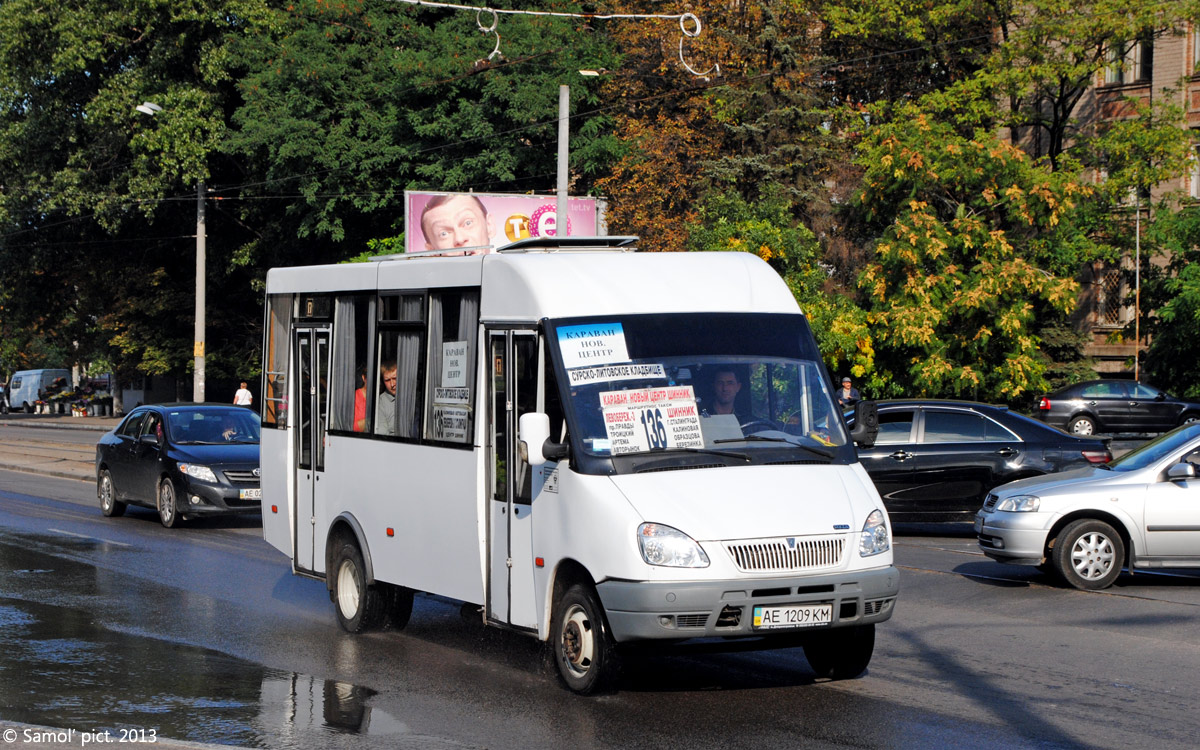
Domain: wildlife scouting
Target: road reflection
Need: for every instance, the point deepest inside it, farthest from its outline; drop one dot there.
(60, 666)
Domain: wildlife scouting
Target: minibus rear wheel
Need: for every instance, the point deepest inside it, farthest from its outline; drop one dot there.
(359, 607)
(842, 653)
(584, 650)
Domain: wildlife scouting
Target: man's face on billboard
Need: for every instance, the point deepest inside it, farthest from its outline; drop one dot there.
(459, 222)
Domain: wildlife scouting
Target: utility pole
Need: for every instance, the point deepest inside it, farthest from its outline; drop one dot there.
(198, 344)
(560, 211)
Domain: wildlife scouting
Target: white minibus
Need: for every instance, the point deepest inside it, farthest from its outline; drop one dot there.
(593, 445)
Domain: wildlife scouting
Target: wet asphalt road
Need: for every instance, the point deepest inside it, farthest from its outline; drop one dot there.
(202, 634)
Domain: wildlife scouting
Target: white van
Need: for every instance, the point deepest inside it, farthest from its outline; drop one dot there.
(593, 445)
(26, 387)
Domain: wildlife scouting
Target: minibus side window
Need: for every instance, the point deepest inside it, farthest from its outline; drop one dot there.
(453, 334)
(349, 403)
(399, 368)
(275, 361)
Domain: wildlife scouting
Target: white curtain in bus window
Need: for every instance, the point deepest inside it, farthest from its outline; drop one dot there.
(453, 328)
(341, 397)
(408, 385)
(279, 309)
(348, 395)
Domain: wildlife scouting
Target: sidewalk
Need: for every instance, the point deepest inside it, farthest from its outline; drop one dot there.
(58, 421)
(23, 449)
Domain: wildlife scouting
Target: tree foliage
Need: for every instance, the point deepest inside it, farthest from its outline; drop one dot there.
(976, 234)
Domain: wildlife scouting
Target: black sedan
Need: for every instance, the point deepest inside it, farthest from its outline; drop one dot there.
(1114, 406)
(184, 460)
(937, 460)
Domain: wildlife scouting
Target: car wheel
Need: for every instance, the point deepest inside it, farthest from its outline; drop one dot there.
(1189, 418)
(1089, 554)
(1082, 425)
(359, 607)
(168, 513)
(584, 650)
(109, 505)
(841, 654)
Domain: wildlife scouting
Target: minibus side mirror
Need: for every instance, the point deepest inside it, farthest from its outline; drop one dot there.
(866, 424)
(535, 444)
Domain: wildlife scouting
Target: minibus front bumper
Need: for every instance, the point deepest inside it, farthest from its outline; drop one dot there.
(642, 610)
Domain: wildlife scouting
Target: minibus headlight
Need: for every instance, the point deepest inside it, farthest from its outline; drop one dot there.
(203, 473)
(874, 538)
(1020, 504)
(663, 545)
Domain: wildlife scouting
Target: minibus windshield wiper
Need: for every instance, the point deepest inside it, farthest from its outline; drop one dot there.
(760, 439)
(731, 454)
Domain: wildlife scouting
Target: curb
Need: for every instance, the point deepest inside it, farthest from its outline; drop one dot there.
(47, 472)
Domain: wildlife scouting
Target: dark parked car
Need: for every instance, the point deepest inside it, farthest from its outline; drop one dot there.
(937, 460)
(1114, 406)
(184, 460)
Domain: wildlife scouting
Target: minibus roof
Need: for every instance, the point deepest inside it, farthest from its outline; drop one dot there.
(526, 282)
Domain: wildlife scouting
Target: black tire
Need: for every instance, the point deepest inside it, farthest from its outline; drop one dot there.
(842, 653)
(1089, 554)
(1189, 417)
(1082, 425)
(359, 607)
(167, 505)
(583, 648)
(110, 506)
(399, 605)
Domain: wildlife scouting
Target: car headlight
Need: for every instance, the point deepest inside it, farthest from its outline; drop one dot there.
(1020, 504)
(203, 473)
(668, 547)
(874, 538)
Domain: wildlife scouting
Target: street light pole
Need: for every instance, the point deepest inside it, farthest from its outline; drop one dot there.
(564, 132)
(151, 109)
(198, 344)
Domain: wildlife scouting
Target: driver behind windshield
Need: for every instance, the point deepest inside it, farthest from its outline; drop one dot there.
(726, 384)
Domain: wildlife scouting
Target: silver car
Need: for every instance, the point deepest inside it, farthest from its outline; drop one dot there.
(1141, 511)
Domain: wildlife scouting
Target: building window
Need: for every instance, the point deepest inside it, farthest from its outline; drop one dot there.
(1130, 62)
(1194, 182)
(1195, 49)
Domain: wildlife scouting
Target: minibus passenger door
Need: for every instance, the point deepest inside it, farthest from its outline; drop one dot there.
(513, 370)
(312, 368)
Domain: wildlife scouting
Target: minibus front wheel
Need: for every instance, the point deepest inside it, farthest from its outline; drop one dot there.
(584, 650)
(359, 606)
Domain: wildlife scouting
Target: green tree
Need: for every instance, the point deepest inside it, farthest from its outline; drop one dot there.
(977, 236)
(97, 205)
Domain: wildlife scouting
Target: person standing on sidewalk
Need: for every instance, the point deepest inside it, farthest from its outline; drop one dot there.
(242, 397)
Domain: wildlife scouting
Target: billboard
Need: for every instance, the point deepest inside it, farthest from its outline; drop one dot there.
(441, 221)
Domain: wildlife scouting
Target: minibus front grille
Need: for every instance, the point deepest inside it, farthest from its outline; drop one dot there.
(786, 554)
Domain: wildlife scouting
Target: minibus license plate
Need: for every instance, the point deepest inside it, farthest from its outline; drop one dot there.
(978, 524)
(796, 616)
(250, 494)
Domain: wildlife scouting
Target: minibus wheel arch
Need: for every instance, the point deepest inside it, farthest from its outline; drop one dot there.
(346, 529)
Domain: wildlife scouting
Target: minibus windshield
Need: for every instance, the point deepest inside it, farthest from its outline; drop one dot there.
(737, 384)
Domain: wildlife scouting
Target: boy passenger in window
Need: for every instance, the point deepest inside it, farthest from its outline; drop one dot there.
(385, 410)
(450, 221)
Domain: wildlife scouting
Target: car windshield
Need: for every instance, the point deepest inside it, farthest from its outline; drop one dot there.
(1156, 450)
(734, 383)
(213, 426)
